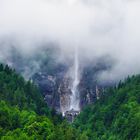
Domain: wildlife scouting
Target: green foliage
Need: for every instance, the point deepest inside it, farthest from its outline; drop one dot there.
(16, 124)
(24, 114)
(116, 116)
(16, 92)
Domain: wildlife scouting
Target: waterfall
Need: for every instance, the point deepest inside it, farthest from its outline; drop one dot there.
(74, 103)
(70, 99)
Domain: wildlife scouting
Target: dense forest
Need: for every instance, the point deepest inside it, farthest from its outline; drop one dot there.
(116, 116)
(25, 116)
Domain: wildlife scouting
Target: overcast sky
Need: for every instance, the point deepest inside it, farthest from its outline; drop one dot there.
(96, 27)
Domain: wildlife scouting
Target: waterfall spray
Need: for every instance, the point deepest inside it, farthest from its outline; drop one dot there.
(74, 104)
(70, 99)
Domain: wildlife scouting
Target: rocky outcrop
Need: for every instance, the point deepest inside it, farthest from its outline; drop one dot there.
(65, 94)
(57, 90)
(71, 114)
(51, 76)
(48, 85)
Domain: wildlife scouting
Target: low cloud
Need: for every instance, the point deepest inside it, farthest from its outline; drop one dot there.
(97, 27)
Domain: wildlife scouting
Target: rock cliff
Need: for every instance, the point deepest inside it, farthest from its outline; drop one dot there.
(57, 92)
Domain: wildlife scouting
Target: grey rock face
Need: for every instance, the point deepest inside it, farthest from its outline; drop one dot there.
(51, 76)
(49, 87)
(65, 93)
(57, 92)
(70, 115)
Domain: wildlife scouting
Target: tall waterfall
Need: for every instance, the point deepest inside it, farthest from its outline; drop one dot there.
(74, 103)
(70, 99)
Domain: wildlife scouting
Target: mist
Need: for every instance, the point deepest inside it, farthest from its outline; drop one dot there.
(98, 27)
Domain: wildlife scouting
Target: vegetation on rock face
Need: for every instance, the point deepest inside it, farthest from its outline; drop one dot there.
(25, 116)
(16, 92)
(116, 116)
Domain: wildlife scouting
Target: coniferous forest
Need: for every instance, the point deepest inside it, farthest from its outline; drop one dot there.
(24, 115)
(69, 69)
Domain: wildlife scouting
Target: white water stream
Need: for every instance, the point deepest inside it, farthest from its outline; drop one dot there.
(74, 103)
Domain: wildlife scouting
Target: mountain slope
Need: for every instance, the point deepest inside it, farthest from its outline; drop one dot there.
(116, 116)
(16, 92)
(24, 114)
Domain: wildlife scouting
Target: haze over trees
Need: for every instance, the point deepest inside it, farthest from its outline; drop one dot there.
(67, 57)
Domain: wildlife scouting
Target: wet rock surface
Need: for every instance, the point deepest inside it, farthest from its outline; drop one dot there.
(56, 88)
(71, 115)
(51, 76)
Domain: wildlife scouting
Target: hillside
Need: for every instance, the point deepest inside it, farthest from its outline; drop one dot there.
(54, 79)
(23, 113)
(69, 70)
(16, 92)
(116, 116)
